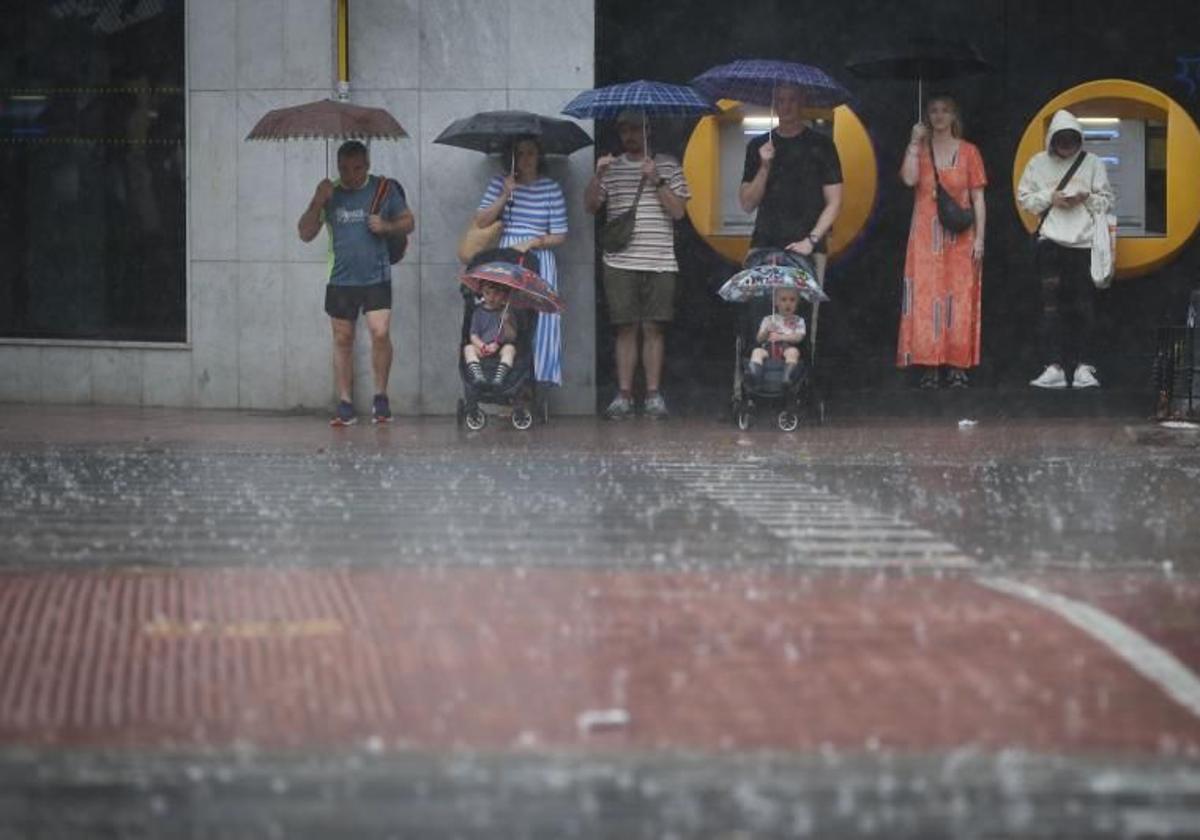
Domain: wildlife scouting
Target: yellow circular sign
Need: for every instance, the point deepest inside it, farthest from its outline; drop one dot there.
(1108, 98)
(702, 168)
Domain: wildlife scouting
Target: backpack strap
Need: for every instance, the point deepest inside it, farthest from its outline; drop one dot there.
(380, 193)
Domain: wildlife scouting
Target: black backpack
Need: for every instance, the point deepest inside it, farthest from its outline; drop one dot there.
(397, 243)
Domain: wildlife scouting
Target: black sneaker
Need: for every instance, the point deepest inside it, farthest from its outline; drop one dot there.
(381, 410)
(344, 416)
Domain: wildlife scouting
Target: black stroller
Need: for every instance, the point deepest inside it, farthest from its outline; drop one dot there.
(788, 399)
(519, 388)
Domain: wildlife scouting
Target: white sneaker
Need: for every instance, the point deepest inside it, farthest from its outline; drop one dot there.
(1085, 377)
(1052, 377)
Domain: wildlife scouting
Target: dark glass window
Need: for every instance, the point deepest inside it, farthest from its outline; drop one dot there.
(92, 225)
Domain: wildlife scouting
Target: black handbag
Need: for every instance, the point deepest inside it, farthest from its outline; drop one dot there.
(953, 216)
(618, 231)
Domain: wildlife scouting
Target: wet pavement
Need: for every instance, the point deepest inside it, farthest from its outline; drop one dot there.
(223, 624)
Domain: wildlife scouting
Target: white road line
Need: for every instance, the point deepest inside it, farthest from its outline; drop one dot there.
(1143, 655)
(819, 528)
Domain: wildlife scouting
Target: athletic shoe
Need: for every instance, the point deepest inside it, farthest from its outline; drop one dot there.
(957, 378)
(619, 409)
(1052, 377)
(381, 410)
(345, 415)
(1085, 377)
(655, 407)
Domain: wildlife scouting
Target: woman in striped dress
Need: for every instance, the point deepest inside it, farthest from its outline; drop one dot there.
(534, 215)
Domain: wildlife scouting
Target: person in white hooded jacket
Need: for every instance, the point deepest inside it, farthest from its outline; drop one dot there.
(1063, 249)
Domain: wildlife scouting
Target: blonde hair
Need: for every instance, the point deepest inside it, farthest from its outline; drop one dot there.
(956, 126)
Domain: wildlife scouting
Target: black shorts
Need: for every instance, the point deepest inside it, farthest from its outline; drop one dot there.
(345, 302)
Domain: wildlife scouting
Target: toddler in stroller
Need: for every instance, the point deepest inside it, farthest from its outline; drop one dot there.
(774, 374)
(496, 356)
(779, 337)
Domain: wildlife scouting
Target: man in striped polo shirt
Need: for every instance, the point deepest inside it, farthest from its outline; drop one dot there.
(639, 280)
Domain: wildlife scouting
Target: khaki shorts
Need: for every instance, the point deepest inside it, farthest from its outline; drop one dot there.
(635, 296)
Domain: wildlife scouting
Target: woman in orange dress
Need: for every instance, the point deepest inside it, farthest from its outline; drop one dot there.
(943, 271)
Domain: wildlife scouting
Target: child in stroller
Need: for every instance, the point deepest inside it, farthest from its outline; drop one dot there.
(774, 374)
(492, 332)
(779, 337)
(495, 360)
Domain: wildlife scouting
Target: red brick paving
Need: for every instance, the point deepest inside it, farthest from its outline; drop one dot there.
(491, 659)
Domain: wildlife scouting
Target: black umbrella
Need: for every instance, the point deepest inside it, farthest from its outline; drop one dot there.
(922, 59)
(493, 132)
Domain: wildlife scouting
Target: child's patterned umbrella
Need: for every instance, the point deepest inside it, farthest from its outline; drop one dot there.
(528, 291)
(763, 280)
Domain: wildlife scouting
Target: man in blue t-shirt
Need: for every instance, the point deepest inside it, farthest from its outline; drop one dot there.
(360, 210)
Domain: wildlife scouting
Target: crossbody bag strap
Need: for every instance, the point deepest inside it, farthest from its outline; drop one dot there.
(1065, 179)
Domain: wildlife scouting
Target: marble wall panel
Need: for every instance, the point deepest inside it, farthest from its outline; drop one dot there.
(214, 313)
(308, 358)
(20, 373)
(167, 378)
(212, 44)
(260, 309)
(213, 146)
(385, 44)
(452, 179)
(464, 44)
(260, 45)
(441, 325)
(405, 383)
(551, 43)
(261, 179)
(309, 45)
(116, 376)
(66, 375)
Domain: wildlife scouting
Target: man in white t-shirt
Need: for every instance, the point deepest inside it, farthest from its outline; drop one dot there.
(639, 280)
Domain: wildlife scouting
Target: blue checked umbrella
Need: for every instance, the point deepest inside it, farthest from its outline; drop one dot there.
(763, 280)
(653, 99)
(754, 80)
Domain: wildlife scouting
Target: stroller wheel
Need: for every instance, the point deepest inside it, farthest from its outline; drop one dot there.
(521, 419)
(745, 419)
(476, 419)
(788, 421)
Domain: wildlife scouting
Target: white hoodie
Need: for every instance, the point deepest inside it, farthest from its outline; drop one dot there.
(1069, 226)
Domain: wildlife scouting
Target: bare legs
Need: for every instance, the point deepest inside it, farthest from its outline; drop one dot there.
(652, 352)
(379, 326)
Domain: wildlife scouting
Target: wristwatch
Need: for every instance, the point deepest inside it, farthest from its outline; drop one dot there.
(813, 239)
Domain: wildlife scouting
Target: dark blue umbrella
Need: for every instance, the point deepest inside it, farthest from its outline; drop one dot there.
(754, 80)
(653, 99)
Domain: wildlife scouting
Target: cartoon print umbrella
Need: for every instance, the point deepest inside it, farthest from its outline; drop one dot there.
(762, 280)
(528, 290)
(754, 80)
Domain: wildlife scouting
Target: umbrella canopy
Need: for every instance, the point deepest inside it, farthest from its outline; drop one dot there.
(492, 132)
(327, 119)
(528, 290)
(921, 59)
(654, 99)
(762, 280)
(755, 80)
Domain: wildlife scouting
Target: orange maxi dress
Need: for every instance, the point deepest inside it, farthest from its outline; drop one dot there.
(940, 308)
